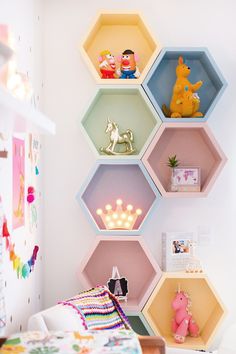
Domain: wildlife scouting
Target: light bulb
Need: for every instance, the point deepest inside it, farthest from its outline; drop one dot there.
(129, 207)
(119, 222)
(123, 216)
(108, 207)
(115, 216)
(127, 224)
(111, 224)
(99, 211)
(119, 202)
(108, 218)
(130, 218)
(138, 211)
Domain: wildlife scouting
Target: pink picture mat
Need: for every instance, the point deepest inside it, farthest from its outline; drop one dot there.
(18, 177)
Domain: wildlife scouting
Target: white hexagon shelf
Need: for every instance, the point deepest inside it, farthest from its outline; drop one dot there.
(194, 145)
(134, 261)
(130, 108)
(207, 308)
(110, 181)
(117, 32)
(161, 78)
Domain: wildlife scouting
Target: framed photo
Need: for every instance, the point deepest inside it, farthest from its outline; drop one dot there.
(180, 246)
(186, 179)
(118, 285)
(175, 250)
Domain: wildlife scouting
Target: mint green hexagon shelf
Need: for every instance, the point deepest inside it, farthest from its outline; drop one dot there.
(159, 82)
(110, 180)
(130, 108)
(134, 261)
(139, 324)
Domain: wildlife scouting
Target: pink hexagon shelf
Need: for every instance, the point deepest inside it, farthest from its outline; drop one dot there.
(194, 145)
(110, 180)
(117, 32)
(134, 261)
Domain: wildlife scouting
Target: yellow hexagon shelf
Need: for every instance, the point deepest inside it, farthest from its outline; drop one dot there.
(207, 308)
(118, 32)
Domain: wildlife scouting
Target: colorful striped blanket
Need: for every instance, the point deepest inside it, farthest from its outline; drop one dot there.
(99, 309)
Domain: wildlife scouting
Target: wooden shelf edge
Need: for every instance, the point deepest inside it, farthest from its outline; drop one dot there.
(2, 340)
(152, 344)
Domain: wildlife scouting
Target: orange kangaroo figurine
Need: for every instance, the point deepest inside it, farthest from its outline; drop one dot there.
(184, 102)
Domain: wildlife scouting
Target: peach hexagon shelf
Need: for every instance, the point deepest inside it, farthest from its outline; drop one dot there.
(110, 182)
(160, 80)
(194, 145)
(207, 308)
(128, 107)
(134, 261)
(117, 32)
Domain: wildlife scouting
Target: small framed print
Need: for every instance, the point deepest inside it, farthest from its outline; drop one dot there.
(176, 250)
(186, 179)
(118, 285)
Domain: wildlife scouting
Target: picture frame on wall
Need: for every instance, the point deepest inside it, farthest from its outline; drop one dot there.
(186, 179)
(176, 251)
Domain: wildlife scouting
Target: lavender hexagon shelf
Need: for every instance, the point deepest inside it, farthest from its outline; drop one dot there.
(207, 308)
(159, 82)
(134, 261)
(130, 108)
(194, 145)
(110, 180)
(117, 32)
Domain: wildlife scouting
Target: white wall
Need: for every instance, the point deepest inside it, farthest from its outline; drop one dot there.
(23, 297)
(67, 91)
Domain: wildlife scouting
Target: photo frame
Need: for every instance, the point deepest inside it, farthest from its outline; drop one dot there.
(176, 251)
(118, 285)
(186, 179)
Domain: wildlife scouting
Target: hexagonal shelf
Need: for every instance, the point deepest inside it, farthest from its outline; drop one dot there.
(134, 261)
(130, 108)
(117, 32)
(161, 78)
(139, 323)
(194, 145)
(207, 309)
(120, 179)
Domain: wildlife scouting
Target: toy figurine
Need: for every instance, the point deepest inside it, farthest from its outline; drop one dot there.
(194, 264)
(128, 68)
(125, 138)
(107, 65)
(183, 322)
(184, 102)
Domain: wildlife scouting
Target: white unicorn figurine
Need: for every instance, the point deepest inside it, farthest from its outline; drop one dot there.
(125, 138)
(194, 264)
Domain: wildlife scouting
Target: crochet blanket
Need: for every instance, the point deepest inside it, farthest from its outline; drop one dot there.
(99, 309)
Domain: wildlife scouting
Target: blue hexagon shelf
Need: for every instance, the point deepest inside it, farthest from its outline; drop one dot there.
(160, 80)
(110, 180)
